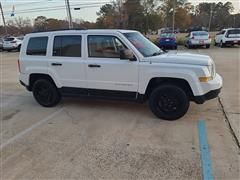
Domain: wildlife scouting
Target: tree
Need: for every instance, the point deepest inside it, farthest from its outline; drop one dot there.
(40, 23)
(19, 26)
(106, 16)
(167, 7)
(220, 14)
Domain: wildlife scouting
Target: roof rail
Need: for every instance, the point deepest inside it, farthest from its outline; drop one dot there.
(53, 30)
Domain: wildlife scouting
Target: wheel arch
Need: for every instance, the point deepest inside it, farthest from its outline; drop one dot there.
(182, 83)
(36, 76)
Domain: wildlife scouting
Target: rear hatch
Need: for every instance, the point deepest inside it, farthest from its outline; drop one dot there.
(202, 35)
(233, 34)
(9, 41)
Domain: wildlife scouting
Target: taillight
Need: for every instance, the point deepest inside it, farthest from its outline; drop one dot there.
(13, 41)
(19, 68)
(209, 37)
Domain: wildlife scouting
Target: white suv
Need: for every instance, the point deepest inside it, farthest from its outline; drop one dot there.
(12, 43)
(115, 64)
(227, 37)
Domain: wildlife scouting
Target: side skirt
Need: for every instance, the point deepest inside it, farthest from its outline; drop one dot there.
(101, 94)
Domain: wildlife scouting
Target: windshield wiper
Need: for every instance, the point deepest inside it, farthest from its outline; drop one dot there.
(158, 53)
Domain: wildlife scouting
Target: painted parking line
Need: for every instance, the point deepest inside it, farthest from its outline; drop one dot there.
(205, 153)
(19, 135)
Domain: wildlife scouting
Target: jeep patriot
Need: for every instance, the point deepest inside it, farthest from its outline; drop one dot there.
(115, 64)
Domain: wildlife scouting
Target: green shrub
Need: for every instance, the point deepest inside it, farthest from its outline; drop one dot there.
(180, 40)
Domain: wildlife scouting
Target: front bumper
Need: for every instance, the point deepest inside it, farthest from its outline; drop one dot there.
(210, 95)
(210, 90)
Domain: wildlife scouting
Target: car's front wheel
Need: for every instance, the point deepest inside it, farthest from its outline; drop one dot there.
(46, 93)
(169, 102)
(222, 44)
(19, 48)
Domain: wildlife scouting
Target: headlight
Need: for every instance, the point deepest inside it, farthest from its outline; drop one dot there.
(212, 70)
(212, 73)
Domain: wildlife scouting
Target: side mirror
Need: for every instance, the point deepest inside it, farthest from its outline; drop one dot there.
(127, 54)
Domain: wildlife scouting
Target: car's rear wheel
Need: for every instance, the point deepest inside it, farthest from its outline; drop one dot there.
(208, 46)
(46, 93)
(169, 102)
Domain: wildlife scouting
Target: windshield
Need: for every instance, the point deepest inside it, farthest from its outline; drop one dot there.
(168, 35)
(144, 46)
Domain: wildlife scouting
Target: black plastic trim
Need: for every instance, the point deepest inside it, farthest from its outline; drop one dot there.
(23, 84)
(99, 94)
(210, 95)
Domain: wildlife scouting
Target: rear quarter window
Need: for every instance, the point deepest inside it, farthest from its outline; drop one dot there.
(37, 46)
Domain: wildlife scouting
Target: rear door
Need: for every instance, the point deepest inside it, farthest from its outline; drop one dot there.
(104, 68)
(66, 62)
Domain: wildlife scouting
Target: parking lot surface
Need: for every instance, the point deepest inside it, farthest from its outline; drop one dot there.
(96, 139)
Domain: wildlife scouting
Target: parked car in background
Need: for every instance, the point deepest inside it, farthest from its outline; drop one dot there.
(197, 39)
(227, 37)
(12, 43)
(1, 43)
(167, 40)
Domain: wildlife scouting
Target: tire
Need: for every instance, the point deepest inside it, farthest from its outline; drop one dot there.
(19, 48)
(189, 46)
(46, 93)
(9, 50)
(169, 102)
(222, 45)
(208, 46)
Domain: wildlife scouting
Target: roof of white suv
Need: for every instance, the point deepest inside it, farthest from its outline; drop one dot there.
(100, 31)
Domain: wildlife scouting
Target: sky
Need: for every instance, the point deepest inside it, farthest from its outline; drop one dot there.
(34, 8)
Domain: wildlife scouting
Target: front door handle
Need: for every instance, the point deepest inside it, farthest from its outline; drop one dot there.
(94, 66)
(56, 64)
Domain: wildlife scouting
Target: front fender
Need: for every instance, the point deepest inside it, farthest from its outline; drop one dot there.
(189, 73)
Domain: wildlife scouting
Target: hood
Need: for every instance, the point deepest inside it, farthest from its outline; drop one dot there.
(182, 58)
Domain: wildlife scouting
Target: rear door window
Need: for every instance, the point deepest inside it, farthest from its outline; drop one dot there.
(67, 46)
(37, 46)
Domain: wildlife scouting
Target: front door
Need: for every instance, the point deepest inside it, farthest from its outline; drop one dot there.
(104, 68)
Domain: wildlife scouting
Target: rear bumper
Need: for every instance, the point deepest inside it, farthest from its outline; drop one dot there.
(210, 95)
(9, 48)
(232, 42)
(23, 84)
(200, 42)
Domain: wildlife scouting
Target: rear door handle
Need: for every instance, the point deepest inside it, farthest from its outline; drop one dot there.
(94, 66)
(56, 64)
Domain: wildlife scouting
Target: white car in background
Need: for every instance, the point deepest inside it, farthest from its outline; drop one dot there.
(227, 37)
(12, 43)
(197, 39)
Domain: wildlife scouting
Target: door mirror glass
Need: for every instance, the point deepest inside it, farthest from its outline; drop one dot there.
(127, 54)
